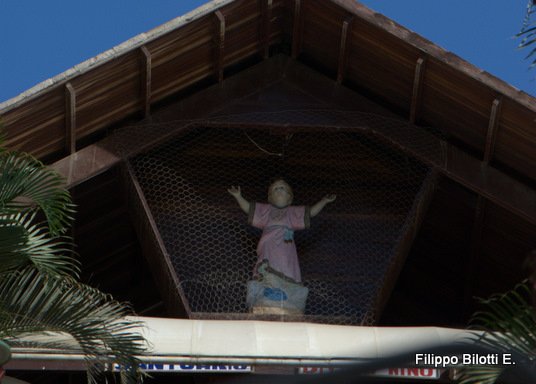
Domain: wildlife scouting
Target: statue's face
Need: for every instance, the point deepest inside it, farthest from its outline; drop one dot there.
(280, 194)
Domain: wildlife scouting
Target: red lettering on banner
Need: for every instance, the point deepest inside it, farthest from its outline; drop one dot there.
(427, 372)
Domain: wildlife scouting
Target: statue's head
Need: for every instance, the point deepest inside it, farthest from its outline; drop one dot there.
(280, 193)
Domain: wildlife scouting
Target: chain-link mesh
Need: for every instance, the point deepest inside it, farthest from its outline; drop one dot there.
(345, 254)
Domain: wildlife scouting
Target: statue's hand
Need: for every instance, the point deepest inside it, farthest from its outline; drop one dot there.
(235, 191)
(330, 198)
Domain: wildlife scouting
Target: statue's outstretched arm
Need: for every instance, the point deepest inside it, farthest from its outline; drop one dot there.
(237, 194)
(318, 207)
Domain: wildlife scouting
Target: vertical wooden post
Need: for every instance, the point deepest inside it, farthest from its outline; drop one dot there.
(220, 44)
(445, 153)
(266, 16)
(146, 75)
(70, 119)
(296, 30)
(492, 130)
(417, 90)
(346, 25)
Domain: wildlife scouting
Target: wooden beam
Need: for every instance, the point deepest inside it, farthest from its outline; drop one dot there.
(416, 97)
(146, 75)
(462, 167)
(465, 169)
(266, 16)
(492, 130)
(86, 163)
(491, 183)
(99, 157)
(343, 47)
(413, 222)
(296, 30)
(220, 45)
(70, 118)
(153, 248)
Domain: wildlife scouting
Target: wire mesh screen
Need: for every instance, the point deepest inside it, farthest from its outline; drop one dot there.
(345, 253)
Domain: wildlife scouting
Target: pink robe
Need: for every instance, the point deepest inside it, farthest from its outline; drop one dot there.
(274, 222)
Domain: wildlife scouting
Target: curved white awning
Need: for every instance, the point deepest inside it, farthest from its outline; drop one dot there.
(178, 341)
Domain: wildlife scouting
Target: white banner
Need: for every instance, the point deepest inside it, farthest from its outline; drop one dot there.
(413, 373)
(191, 368)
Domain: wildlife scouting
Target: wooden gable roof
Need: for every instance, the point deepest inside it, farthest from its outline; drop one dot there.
(198, 62)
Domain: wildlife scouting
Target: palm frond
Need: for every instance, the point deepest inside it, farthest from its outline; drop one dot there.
(528, 28)
(24, 243)
(31, 303)
(509, 322)
(40, 301)
(26, 184)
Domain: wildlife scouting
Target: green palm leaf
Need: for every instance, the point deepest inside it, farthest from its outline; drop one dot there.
(26, 184)
(23, 243)
(528, 29)
(40, 301)
(32, 303)
(509, 322)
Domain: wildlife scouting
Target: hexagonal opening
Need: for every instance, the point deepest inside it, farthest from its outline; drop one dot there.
(344, 256)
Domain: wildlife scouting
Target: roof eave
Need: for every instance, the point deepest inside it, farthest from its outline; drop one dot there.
(437, 52)
(111, 54)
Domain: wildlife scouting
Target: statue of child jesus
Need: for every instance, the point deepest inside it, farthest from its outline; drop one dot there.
(278, 221)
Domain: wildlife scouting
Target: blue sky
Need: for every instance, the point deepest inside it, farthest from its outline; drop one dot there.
(42, 38)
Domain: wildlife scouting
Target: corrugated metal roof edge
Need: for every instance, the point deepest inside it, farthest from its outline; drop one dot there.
(135, 42)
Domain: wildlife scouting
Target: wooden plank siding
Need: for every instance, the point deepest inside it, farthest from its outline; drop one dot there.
(107, 245)
(111, 92)
(377, 64)
(381, 59)
(37, 127)
(114, 90)
(516, 140)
